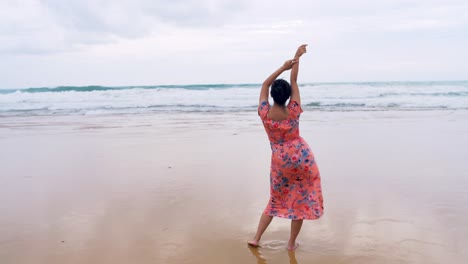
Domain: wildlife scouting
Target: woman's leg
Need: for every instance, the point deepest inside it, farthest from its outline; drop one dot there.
(265, 220)
(295, 229)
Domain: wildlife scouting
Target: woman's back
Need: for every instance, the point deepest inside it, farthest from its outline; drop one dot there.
(280, 131)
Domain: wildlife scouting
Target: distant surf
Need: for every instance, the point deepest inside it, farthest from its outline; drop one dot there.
(363, 96)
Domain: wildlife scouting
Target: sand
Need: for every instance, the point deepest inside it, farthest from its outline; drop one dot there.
(190, 187)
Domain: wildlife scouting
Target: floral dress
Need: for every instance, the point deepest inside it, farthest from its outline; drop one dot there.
(295, 188)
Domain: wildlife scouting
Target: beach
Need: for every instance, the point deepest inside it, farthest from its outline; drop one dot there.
(130, 132)
(176, 187)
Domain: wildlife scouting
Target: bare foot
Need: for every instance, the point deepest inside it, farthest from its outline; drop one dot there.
(253, 243)
(292, 248)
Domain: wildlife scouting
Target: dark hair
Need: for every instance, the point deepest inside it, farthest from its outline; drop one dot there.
(280, 91)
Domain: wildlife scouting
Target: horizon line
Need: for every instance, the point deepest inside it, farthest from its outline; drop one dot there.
(227, 84)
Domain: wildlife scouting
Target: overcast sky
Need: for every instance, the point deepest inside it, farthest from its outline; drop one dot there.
(150, 42)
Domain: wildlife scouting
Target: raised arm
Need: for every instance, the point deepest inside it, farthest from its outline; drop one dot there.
(295, 95)
(269, 81)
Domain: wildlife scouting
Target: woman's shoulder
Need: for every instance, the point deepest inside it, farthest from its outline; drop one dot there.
(294, 108)
(293, 103)
(264, 103)
(263, 108)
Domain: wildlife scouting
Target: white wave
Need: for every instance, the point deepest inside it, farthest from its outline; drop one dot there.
(323, 96)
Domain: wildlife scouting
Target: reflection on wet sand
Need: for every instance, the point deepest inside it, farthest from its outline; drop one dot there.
(257, 254)
(256, 251)
(292, 257)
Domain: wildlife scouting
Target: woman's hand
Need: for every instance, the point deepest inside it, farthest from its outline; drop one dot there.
(300, 51)
(288, 64)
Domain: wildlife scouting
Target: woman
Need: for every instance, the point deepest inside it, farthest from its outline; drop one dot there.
(295, 189)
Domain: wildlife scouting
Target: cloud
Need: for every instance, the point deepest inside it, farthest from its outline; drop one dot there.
(167, 41)
(47, 26)
(51, 26)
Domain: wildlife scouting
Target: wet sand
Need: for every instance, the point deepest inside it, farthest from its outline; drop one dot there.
(189, 188)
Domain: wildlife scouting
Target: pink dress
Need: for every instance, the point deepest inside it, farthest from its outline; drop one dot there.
(295, 189)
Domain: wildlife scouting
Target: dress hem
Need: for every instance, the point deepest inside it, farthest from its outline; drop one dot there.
(298, 218)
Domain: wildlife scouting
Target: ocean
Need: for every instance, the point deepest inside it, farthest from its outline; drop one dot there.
(362, 96)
